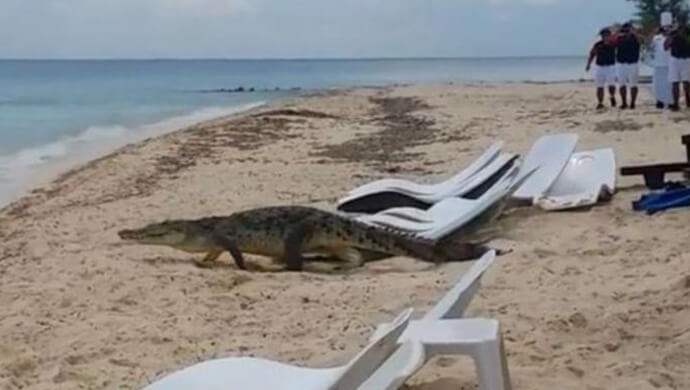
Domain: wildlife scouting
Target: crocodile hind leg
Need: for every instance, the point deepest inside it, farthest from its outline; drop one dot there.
(294, 241)
(351, 256)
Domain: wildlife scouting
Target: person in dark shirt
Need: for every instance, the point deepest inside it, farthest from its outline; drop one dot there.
(679, 63)
(628, 58)
(605, 53)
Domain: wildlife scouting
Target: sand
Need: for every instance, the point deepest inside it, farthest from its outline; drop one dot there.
(593, 299)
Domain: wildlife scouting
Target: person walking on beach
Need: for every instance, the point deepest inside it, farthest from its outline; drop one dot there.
(605, 53)
(660, 59)
(679, 65)
(628, 58)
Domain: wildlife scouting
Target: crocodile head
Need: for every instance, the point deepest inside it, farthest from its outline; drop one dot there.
(180, 234)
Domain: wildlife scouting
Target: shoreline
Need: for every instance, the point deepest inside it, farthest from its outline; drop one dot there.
(33, 176)
(588, 299)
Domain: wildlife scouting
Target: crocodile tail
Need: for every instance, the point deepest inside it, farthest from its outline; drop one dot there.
(450, 250)
(443, 251)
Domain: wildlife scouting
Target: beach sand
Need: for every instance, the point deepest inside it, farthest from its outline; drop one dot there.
(594, 299)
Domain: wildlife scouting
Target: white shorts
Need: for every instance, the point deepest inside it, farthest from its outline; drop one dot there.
(678, 70)
(605, 75)
(628, 74)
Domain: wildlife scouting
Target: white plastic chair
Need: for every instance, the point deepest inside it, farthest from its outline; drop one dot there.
(409, 187)
(383, 364)
(454, 303)
(478, 338)
(443, 331)
(450, 214)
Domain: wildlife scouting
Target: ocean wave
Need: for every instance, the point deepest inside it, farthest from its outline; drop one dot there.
(18, 169)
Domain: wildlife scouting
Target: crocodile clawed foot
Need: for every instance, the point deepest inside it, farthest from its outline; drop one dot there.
(204, 264)
(294, 268)
(502, 252)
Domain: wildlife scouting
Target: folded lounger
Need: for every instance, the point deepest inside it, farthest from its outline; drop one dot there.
(450, 214)
(471, 188)
(383, 365)
(444, 331)
(550, 153)
(588, 177)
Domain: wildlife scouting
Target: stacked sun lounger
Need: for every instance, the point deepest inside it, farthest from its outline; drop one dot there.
(561, 179)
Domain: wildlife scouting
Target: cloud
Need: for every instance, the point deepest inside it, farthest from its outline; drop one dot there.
(300, 28)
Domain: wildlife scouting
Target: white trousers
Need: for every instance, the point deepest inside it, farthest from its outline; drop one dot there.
(605, 75)
(678, 69)
(628, 74)
(662, 87)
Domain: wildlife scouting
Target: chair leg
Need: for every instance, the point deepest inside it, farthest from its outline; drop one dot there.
(492, 366)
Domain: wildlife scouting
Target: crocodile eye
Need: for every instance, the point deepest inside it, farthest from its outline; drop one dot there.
(157, 234)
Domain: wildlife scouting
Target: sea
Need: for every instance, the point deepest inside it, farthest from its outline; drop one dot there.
(55, 114)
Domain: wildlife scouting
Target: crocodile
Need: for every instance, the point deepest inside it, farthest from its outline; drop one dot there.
(287, 233)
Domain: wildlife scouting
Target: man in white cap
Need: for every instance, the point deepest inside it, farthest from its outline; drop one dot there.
(660, 59)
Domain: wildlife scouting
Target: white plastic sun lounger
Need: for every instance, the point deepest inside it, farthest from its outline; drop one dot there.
(382, 365)
(379, 199)
(588, 177)
(550, 153)
(410, 187)
(458, 298)
(449, 214)
(443, 331)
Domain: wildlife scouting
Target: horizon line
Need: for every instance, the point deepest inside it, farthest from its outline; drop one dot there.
(288, 58)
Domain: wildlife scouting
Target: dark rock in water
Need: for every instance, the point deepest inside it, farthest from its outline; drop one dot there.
(243, 89)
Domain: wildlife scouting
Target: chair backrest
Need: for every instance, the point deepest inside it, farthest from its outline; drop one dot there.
(459, 188)
(549, 154)
(374, 355)
(402, 364)
(456, 300)
(454, 222)
(478, 164)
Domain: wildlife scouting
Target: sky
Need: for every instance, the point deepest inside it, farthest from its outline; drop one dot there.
(302, 28)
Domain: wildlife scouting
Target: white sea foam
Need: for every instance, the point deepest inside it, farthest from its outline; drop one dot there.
(23, 169)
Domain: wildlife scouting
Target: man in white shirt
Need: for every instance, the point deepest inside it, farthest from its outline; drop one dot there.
(662, 86)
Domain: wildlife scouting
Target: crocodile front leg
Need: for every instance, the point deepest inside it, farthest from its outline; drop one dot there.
(210, 258)
(230, 246)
